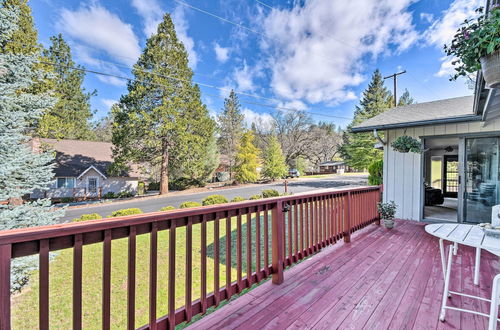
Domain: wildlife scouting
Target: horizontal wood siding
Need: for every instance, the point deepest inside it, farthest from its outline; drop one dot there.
(403, 173)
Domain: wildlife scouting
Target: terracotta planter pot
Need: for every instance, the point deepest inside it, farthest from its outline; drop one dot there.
(490, 65)
(389, 223)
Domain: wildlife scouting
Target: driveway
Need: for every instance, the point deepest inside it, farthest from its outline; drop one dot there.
(154, 204)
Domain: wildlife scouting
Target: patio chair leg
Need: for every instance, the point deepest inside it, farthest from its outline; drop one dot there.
(477, 266)
(446, 285)
(455, 248)
(495, 301)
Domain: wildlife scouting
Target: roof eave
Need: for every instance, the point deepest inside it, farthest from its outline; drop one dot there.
(417, 123)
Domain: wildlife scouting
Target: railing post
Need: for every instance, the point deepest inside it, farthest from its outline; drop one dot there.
(277, 242)
(347, 233)
(377, 200)
(5, 254)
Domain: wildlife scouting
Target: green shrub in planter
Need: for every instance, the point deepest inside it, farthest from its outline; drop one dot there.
(141, 188)
(376, 170)
(270, 193)
(406, 144)
(237, 199)
(387, 212)
(85, 217)
(109, 195)
(123, 212)
(167, 208)
(187, 205)
(254, 197)
(214, 199)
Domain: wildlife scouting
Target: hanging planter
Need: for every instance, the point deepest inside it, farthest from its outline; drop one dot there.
(406, 144)
(476, 46)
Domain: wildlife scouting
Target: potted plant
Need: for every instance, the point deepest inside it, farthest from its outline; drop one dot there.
(406, 144)
(476, 46)
(387, 212)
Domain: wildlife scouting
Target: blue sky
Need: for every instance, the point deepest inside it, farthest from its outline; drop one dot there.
(312, 55)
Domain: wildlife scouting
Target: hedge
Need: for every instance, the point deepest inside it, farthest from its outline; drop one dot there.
(85, 217)
(167, 208)
(237, 199)
(187, 205)
(270, 193)
(254, 197)
(214, 199)
(122, 212)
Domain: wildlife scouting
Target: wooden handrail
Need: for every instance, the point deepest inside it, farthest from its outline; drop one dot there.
(301, 224)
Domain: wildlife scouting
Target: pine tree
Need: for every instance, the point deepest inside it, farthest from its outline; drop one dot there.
(71, 117)
(358, 148)
(231, 128)
(24, 40)
(274, 161)
(21, 170)
(405, 99)
(103, 129)
(162, 119)
(247, 159)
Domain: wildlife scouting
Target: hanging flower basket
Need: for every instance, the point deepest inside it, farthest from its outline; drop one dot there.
(406, 144)
(476, 46)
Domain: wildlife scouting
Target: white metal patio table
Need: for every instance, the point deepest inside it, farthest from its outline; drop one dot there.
(464, 234)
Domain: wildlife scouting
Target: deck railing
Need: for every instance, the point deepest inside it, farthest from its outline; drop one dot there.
(286, 230)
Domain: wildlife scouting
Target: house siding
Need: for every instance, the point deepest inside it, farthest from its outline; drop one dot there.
(403, 175)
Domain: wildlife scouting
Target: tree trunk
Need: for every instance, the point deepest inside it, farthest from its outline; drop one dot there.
(164, 170)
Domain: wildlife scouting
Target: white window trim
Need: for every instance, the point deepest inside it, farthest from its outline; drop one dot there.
(91, 168)
(96, 183)
(66, 180)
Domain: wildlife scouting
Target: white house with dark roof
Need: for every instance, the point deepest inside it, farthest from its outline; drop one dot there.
(457, 176)
(82, 170)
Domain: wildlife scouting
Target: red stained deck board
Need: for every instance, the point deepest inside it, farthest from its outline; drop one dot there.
(411, 299)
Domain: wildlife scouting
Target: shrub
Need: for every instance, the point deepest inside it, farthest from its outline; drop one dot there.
(237, 199)
(85, 217)
(125, 194)
(141, 188)
(167, 208)
(67, 199)
(122, 212)
(376, 170)
(185, 183)
(254, 197)
(187, 205)
(214, 199)
(109, 195)
(387, 210)
(154, 186)
(270, 193)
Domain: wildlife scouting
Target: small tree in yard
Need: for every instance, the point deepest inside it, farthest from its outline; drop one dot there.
(247, 159)
(274, 161)
(21, 170)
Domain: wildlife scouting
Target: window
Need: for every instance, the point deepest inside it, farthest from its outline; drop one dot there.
(65, 182)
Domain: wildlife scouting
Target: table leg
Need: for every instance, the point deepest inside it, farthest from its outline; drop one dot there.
(446, 284)
(455, 248)
(477, 266)
(443, 257)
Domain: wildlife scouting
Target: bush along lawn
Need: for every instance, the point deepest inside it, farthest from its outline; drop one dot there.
(25, 304)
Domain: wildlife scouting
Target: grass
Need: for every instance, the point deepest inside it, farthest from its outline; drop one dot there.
(25, 304)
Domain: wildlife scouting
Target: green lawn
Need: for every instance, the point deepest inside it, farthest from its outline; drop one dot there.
(25, 304)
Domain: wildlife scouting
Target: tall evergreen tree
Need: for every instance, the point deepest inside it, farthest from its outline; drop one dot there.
(358, 148)
(71, 116)
(231, 127)
(21, 170)
(103, 129)
(405, 99)
(247, 159)
(162, 119)
(274, 160)
(24, 40)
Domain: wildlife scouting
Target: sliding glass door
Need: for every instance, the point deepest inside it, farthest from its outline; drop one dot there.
(481, 186)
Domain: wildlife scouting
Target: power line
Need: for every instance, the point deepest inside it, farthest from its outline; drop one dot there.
(164, 86)
(264, 4)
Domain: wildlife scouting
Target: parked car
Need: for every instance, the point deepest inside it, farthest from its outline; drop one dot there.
(293, 173)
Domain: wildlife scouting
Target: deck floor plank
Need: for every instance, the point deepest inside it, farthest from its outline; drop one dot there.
(382, 279)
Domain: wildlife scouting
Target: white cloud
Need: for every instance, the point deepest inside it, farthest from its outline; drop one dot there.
(427, 17)
(295, 104)
(446, 69)
(181, 27)
(222, 53)
(264, 120)
(442, 30)
(151, 14)
(244, 77)
(89, 56)
(98, 28)
(108, 102)
(317, 49)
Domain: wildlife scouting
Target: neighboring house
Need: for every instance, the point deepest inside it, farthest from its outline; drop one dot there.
(457, 176)
(334, 167)
(82, 170)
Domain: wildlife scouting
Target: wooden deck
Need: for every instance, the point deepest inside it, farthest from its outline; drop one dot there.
(383, 279)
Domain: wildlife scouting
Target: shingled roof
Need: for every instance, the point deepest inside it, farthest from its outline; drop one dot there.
(74, 157)
(459, 109)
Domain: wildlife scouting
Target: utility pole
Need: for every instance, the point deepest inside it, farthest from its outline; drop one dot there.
(394, 76)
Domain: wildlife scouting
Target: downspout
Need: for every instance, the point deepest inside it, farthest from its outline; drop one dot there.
(379, 139)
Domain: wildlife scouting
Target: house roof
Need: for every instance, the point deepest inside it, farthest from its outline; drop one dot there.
(74, 157)
(459, 109)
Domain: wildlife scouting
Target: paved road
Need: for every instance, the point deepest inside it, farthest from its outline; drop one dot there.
(154, 204)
